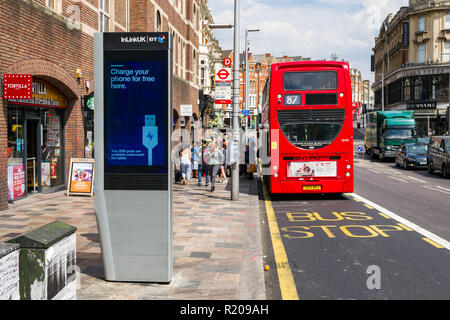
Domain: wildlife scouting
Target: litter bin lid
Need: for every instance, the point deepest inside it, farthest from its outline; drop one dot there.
(7, 248)
(45, 236)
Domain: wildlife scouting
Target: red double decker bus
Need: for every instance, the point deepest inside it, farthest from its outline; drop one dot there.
(307, 120)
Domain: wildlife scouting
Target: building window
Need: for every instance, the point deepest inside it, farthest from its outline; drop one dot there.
(421, 53)
(158, 21)
(51, 4)
(104, 15)
(447, 21)
(421, 24)
(406, 90)
(418, 89)
(446, 57)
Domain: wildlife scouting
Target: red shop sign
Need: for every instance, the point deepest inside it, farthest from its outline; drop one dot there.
(18, 86)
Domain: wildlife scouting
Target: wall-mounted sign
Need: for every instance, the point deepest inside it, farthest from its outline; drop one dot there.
(43, 95)
(186, 110)
(428, 105)
(18, 86)
(16, 181)
(405, 37)
(81, 177)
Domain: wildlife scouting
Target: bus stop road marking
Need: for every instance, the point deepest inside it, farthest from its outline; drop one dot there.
(433, 243)
(285, 277)
(427, 234)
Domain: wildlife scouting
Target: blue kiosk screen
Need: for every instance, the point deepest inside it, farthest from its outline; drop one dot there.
(136, 117)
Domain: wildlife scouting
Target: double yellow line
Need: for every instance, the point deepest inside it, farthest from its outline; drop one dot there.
(285, 278)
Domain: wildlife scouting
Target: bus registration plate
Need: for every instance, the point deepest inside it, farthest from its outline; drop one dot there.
(312, 188)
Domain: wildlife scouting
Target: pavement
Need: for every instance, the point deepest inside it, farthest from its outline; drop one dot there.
(217, 243)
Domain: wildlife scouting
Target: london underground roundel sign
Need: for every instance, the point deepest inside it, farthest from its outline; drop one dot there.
(227, 62)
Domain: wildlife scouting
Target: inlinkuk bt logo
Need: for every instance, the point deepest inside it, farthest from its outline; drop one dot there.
(161, 39)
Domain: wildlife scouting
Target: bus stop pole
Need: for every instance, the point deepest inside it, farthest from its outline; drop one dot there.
(236, 99)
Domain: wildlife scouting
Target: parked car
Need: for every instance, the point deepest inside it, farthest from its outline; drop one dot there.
(439, 155)
(425, 140)
(412, 155)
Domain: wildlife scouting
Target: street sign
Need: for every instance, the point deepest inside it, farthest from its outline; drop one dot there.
(227, 62)
(223, 93)
(186, 110)
(18, 86)
(223, 74)
(360, 149)
(245, 112)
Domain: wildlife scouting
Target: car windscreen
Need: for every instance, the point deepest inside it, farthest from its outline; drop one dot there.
(417, 149)
(400, 133)
(320, 80)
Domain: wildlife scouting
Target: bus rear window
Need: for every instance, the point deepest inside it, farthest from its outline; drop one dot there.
(322, 80)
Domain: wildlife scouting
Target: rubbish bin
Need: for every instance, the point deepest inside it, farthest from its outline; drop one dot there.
(47, 262)
(9, 271)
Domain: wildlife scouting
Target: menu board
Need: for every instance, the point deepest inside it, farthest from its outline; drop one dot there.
(81, 179)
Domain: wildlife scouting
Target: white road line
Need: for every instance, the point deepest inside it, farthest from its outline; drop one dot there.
(442, 188)
(417, 179)
(407, 223)
(398, 179)
(377, 164)
(438, 190)
(373, 171)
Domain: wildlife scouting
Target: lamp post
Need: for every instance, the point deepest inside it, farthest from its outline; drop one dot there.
(246, 78)
(236, 95)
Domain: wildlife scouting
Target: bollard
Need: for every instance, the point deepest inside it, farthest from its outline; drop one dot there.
(9, 271)
(47, 262)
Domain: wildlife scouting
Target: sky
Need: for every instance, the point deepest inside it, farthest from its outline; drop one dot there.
(308, 28)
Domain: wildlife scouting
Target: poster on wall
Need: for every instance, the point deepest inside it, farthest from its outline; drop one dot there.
(53, 126)
(45, 174)
(312, 169)
(81, 177)
(61, 269)
(16, 181)
(9, 276)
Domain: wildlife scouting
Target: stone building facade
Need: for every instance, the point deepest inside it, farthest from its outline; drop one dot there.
(412, 63)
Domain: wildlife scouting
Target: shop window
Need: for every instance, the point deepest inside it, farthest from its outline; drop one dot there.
(51, 157)
(418, 88)
(406, 89)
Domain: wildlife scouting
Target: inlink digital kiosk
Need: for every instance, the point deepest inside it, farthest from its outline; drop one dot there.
(133, 193)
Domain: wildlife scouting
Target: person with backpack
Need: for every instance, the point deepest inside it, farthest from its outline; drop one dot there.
(203, 165)
(215, 159)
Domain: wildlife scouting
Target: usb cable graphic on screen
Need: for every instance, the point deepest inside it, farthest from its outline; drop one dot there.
(150, 136)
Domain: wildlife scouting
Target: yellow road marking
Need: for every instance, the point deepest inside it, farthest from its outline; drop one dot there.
(287, 284)
(433, 243)
(384, 215)
(368, 206)
(357, 200)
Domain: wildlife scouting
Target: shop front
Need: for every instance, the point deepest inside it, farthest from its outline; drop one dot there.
(36, 141)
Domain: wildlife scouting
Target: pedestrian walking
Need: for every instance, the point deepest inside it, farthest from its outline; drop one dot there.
(186, 165)
(215, 158)
(203, 165)
(195, 159)
(223, 166)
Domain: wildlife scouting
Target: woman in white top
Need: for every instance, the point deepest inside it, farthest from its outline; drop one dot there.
(186, 165)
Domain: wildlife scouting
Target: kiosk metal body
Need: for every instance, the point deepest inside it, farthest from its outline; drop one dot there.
(133, 193)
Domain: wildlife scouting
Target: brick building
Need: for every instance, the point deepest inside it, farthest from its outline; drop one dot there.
(181, 18)
(53, 41)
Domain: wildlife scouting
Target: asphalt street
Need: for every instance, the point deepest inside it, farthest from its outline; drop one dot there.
(387, 240)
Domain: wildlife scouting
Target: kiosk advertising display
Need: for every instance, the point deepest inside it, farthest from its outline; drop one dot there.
(132, 118)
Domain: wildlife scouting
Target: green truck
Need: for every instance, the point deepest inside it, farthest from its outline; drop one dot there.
(386, 131)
